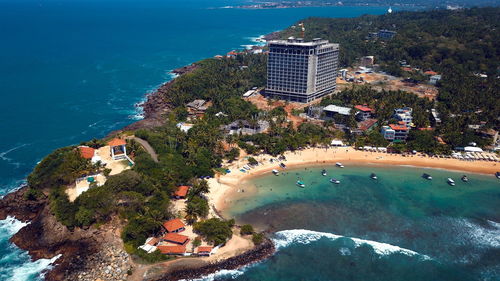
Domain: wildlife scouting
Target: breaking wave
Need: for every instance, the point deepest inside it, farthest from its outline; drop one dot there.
(286, 238)
(16, 264)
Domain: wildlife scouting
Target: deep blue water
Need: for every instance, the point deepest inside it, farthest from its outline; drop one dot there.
(73, 70)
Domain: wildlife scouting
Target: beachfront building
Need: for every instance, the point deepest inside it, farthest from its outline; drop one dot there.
(172, 250)
(395, 132)
(301, 71)
(404, 115)
(364, 112)
(204, 250)
(174, 226)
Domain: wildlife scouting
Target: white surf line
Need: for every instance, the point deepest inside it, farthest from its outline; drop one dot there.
(302, 236)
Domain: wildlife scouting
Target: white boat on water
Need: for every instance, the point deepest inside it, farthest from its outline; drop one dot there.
(373, 176)
(323, 173)
(276, 172)
(335, 181)
(300, 183)
(451, 182)
(338, 164)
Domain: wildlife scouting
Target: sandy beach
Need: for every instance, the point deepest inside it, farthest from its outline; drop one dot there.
(223, 186)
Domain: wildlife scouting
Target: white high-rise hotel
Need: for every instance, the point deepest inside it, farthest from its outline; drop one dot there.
(301, 71)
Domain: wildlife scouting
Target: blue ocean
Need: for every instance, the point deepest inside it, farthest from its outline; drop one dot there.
(73, 70)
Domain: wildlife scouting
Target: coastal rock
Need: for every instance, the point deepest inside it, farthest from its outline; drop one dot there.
(14, 204)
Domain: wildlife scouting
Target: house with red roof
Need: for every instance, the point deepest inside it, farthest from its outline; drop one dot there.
(204, 250)
(172, 250)
(86, 152)
(181, 192)
(174, 226)
(395, 132)
(175, 238)
(364, 112)
(118, 149)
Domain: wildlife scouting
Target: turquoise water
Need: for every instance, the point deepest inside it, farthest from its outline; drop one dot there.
(400, 226)
(73, 70)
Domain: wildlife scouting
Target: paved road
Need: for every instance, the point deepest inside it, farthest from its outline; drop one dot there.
(149, 149)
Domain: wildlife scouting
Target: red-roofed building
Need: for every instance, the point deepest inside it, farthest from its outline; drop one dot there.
(399, 127)
(175, 226)
(367, 124)
(204, 250)
(364, 112)
(86, 152)
(395, 132)
(175, 238)
(172, 250)
(181, 192)
(430, 72)
(118, 149)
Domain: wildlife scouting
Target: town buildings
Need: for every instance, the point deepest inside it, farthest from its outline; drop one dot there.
(395, 132)
(404, 115)
(301, 71)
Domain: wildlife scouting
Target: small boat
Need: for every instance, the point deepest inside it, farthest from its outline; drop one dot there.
(323, 173)
(465, 178)
(427, 176)
(243, 170)
(282, 165)
(246, 167)
(301, 184)
(451, 182)
(276, 172)
(335, 181)
(497, 174)
(373, 176)
(338, 164)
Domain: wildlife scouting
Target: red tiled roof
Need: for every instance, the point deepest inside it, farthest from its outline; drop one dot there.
(204, 249)
(86, 152)
(175, 238)
(363, 108)
(116, 142)
(367, 124)
(172, 249)
(430, 72)
(398, 127)
(426, 129)
(181, 191)
(407, 69)
(173, 225)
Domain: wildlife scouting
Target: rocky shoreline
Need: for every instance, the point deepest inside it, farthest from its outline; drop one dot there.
(156, 106)
(97, 253)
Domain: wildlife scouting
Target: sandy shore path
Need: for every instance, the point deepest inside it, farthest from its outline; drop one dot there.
(223, 186)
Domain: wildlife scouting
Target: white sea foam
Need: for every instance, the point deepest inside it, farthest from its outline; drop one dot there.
(27, 271)
(11, 226)
(233, 273)
(286, 238)
(479, 235)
